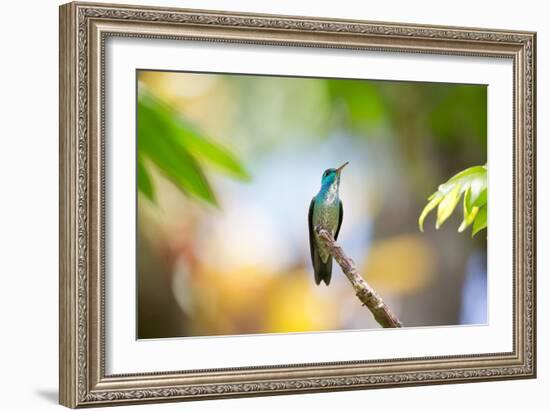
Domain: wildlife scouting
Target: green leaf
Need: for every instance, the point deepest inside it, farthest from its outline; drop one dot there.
(156, 142)
(472, 184)
(479, 191)
(434, 200)
(200, 147)
(447, 205)
(481, 199)
(469, 211)
(214, 153)
(481, 221)
(145, 185)
(468, 175)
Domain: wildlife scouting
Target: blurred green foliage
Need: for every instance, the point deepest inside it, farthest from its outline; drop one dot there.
(179, 151)
(471, 120)
(365, 102)
(471, 184)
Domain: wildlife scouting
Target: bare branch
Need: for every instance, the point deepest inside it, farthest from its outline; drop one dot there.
(381, 312)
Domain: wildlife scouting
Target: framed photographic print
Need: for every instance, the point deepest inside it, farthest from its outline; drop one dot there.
(259, 204)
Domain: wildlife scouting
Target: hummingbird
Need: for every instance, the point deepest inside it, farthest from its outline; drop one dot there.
(325, 211)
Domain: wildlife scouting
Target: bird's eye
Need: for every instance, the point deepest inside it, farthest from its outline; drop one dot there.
(326, 173)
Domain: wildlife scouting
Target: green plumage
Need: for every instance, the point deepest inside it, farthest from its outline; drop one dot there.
(325, 211)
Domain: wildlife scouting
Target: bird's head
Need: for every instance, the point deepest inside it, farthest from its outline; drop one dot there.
(332, 176)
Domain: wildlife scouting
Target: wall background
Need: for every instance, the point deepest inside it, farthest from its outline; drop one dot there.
(29, 190)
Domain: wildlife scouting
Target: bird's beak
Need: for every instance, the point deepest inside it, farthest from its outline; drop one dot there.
(339, 169)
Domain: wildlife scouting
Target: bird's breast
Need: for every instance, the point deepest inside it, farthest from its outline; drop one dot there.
(326, 215)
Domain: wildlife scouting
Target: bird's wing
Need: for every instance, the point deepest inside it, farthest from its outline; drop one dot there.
(340, 219)
(311, 229)
(315, 259)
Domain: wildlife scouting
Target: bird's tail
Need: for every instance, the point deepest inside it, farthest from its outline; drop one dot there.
(323, 271)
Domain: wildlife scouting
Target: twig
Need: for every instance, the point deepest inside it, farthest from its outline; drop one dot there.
(381, 312)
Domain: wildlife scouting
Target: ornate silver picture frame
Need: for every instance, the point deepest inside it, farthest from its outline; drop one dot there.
(84, 30)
